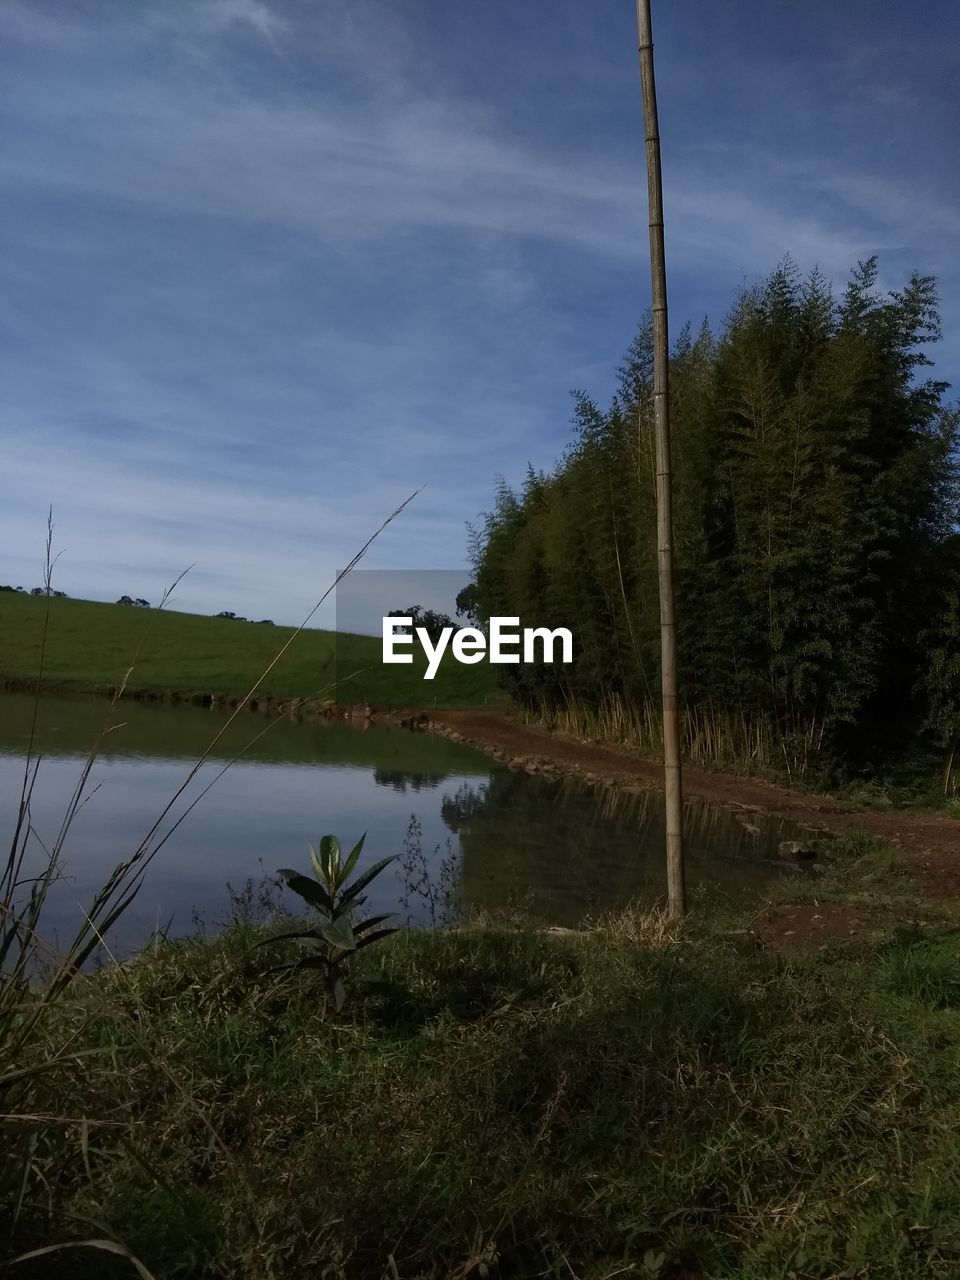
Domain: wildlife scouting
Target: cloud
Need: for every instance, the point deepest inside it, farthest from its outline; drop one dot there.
(272, 267)
(253, 13)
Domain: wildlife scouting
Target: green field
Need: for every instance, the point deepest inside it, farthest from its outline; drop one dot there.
(90, 646)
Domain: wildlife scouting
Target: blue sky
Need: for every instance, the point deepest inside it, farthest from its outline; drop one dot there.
(270, 265)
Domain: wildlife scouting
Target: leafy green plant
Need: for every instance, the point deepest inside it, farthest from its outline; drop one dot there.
(337, 935)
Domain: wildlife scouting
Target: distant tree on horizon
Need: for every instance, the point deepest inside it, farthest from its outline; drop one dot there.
(431, 621)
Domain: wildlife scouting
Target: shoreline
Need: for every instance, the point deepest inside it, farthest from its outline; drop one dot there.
(308, 709)
(929, 840)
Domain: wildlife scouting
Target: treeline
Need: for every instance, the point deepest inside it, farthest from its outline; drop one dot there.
(236, 617)
(136, 602)
(816, 509)
(35, 591)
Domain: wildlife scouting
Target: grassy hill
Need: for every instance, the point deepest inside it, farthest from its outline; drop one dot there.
(91, 645)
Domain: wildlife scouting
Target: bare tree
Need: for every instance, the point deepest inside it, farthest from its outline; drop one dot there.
(676, 887)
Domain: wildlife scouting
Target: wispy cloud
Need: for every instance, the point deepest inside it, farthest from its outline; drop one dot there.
(269, 268)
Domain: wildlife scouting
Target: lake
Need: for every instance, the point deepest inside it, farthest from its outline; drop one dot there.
(560, 850)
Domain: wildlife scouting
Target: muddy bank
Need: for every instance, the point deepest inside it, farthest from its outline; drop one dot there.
(262, 704)
(930, 840)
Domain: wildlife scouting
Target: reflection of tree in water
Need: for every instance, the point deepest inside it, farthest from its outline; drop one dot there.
(566, 849)
(399, 780)
(460, 807)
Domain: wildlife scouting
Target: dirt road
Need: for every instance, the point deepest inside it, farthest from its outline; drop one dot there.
(931, 841)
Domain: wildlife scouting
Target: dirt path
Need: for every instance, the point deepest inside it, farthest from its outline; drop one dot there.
(931, 841)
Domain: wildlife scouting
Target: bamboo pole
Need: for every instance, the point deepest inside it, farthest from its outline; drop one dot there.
(676, 887)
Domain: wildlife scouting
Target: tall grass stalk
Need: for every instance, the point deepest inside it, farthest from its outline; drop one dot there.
(709, 735)
(35, 975)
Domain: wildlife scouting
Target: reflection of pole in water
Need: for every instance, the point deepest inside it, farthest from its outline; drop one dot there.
(571, 846)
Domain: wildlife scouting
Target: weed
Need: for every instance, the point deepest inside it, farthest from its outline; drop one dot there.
(434, 882)
(338, 935)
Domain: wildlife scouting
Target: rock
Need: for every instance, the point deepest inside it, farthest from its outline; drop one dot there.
(795, 849)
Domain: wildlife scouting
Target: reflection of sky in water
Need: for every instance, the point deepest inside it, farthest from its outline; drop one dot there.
(254, 812)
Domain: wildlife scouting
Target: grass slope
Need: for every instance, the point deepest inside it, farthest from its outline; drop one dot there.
(91, 645)
(643, 1100)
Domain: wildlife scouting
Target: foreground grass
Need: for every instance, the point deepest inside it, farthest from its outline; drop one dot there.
(638, 1100)
(90, 646)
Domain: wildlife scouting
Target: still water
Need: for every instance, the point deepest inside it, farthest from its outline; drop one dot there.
(559, 850)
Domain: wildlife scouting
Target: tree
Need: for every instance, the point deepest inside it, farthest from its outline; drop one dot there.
(428, 619)
(815, 495)
(468, 604)
(939, 680)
